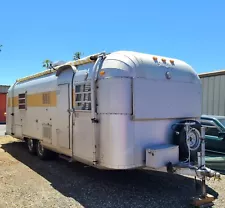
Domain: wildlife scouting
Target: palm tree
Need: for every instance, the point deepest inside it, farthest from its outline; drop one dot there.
(77, 55)
(0, 48)
(47, 63)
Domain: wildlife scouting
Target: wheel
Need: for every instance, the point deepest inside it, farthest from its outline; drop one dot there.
(42, 152)
(31, 144)
(194, 141)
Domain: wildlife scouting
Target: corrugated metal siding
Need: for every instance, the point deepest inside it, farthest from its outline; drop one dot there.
(222, 96)
(4, 88)
(213, 100)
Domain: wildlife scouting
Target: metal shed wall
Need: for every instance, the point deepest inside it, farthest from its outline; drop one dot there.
(4, 88)
(2, 107)
(213, 96)
(3, 92)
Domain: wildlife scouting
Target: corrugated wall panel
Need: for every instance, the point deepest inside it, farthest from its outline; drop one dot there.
(222, 96)
(4, 88)
(204, 95)
(213, 96)
(210, 94)
(216, 96)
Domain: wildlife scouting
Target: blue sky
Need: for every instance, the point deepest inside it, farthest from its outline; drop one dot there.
(32, 31)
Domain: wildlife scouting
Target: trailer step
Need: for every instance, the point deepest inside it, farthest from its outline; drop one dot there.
(65, 157)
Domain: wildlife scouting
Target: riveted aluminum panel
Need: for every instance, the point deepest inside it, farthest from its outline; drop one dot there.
(133, 64)
(155, 99)
(114, 96)
(117, 141)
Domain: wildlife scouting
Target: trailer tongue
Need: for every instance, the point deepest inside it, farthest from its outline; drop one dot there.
(168, 163)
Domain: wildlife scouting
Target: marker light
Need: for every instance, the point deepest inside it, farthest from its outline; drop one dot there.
(102, 73)
(172, 61)
(154, 58)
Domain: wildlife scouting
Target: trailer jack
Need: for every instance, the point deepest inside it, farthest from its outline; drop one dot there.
(204, 199)
(200, 171)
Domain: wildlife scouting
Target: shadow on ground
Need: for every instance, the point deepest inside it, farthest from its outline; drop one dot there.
(97, 188)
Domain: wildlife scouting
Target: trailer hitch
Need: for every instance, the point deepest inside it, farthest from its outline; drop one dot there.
(200, 171)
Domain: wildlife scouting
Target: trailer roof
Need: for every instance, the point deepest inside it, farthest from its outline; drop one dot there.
(210, 74)
(88, 59)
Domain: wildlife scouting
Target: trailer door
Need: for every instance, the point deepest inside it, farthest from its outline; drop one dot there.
(83, 129)
(63, 115)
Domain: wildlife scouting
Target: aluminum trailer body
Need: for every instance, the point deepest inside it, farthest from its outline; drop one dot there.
(123, 110)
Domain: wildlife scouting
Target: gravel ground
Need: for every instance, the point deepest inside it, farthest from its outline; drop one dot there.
(26, 181)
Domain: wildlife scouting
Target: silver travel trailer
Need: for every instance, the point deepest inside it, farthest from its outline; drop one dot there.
(123, 110)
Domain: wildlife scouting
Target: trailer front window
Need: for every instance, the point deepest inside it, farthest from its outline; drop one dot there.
(83, 96)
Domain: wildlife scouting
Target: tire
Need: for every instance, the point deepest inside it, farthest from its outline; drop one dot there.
(195, 142)
(31, 144)
(42, 152)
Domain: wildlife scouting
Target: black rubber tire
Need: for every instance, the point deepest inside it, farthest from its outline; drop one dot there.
(180, 139)
(42, 152)
(31, 145)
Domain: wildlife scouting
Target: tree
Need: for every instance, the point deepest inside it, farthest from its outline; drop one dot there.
(77, 55)
(1, 47)
(47, 63)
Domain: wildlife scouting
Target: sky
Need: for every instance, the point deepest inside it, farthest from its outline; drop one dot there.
(32, 31)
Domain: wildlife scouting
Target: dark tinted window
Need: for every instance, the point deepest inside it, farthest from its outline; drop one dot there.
(222, 121)
(211, 130)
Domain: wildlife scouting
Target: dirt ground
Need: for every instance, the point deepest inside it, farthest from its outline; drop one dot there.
(26, 181)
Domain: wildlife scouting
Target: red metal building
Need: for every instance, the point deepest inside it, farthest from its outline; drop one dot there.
(3, 93)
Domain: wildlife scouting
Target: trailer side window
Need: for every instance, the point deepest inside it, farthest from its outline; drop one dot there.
(22, 101)
(83, 96)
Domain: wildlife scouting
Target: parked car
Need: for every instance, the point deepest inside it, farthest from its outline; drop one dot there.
(214, 133)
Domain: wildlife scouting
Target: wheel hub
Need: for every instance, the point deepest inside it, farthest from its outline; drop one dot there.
(193, 139)
(30, 144)
(40, 148)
